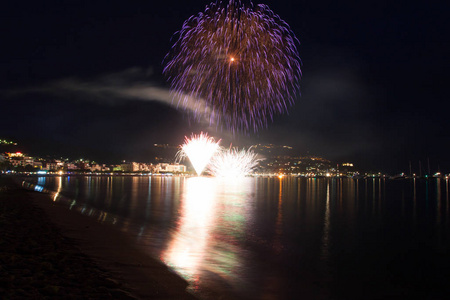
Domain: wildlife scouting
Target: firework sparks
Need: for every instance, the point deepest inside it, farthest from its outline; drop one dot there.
(241, 60)
(233, 163)
(199, 149)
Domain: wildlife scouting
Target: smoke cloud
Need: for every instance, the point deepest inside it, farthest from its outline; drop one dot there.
(130, 84)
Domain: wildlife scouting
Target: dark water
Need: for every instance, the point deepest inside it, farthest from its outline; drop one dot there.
(290, 238)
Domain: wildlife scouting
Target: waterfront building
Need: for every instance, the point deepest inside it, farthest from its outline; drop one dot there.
(37, 164)
(99, 168)
(169, 168)
(130, 167)
(53, 165)
(143, 167)
(70, 166)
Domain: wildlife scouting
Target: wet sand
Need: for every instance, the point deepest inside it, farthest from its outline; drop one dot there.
(48, 251)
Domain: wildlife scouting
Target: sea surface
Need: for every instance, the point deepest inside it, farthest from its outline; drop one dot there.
(279, 238)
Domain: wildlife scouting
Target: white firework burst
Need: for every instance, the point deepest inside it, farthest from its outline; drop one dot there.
(199, 149)
(233, 163)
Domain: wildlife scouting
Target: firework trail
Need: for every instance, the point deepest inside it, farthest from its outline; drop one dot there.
(233, 163)
(241, 60)
(199, 149)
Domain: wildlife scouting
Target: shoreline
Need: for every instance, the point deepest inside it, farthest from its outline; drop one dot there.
(131, 273)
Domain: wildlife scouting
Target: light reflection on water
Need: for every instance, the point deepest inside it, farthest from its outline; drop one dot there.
(269, 237)
(194, 229)
(205, 242)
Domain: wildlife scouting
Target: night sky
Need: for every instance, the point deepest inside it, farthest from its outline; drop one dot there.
(84, 79)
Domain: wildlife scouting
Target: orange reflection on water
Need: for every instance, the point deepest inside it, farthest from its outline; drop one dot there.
(279, 221)
(58, 188)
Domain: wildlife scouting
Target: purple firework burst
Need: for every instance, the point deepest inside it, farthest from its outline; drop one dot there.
(240, 62)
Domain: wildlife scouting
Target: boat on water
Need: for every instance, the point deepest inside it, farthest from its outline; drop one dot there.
(358, 176)
(398, 176)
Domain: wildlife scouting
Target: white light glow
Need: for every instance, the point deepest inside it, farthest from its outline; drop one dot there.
(199, 149)
(189, 243)
(233, 163)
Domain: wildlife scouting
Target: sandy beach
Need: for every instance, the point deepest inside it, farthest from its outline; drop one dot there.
(48, 251)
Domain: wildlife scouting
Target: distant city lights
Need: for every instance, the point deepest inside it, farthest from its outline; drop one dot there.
(17, 154)
(6, 142)
(207, 158)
